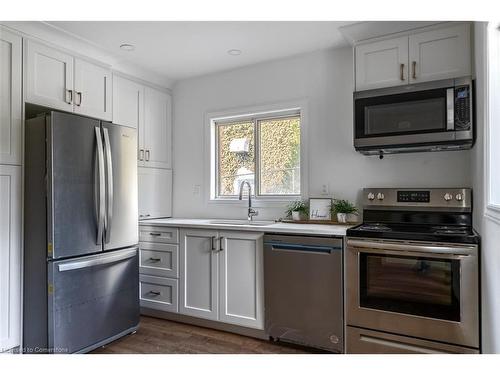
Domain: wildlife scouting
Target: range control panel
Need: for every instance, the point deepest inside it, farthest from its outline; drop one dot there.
(459, 199)
(414, 196)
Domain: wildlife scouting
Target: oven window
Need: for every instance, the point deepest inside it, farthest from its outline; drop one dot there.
(399, 118)
(427, 287)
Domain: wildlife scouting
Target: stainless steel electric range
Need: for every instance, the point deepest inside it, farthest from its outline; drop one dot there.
(412, 273)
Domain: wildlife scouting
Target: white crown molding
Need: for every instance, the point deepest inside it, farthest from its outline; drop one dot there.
(81, 47)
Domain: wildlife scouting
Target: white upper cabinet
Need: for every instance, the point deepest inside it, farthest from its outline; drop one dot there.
(155, 192)
(440, 54)
(157, 135)
(58, 80)
(241, 289)
(49, 76)
(92, 90)
(198, 261)
(382, 64)
(128, 103)
(10, 256)
(10, 98)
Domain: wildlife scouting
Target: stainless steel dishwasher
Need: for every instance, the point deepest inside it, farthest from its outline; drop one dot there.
(304, 290)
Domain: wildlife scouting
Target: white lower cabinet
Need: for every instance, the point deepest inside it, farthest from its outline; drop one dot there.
(159, 293)
(221, 276)
(10, 256)
(198, 273)
(241, 279)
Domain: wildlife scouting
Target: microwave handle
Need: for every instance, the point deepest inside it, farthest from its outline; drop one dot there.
(450, 109)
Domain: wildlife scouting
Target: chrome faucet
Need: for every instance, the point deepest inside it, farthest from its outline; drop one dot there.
(251, 211)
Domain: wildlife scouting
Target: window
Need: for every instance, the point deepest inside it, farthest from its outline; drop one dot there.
(493, 138)
(263, 150)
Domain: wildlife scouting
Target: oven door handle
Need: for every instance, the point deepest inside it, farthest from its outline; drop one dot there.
(416, 249)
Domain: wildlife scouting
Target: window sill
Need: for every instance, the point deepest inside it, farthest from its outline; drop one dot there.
(257, 203)
(492, 213)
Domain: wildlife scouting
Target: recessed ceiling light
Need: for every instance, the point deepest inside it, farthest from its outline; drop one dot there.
(234, 52)
(127, 47)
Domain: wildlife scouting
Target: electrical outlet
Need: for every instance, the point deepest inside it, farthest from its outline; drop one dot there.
(196, 189)
(325, 190)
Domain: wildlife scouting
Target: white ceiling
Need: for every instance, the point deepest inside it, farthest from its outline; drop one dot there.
(179, 50)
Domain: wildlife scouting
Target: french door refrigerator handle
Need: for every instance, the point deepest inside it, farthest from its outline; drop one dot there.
(100, 159)
(96, 261)
(109, 178)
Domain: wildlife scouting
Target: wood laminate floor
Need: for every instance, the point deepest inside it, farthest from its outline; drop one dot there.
(158, 336)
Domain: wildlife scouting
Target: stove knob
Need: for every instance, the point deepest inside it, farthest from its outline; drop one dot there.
(371, 196)
(380, 196)
(459, 197)
(448, 197)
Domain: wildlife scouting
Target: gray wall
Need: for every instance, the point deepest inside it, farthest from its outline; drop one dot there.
(325, 80)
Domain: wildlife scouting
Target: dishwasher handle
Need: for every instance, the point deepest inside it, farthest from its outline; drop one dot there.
(302, 248)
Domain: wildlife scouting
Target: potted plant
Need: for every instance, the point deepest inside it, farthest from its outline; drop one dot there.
(342, 208)
(297, 210)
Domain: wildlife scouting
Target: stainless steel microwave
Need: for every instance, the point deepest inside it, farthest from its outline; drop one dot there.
(432, 116)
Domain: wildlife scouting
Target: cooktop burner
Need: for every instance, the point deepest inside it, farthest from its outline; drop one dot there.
(375, 227)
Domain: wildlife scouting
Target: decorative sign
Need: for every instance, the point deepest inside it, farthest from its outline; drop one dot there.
(319, 208)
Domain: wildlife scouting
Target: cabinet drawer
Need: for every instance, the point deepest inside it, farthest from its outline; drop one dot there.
(159, 259)
(364, 341)
(158, 234)
(158, 293)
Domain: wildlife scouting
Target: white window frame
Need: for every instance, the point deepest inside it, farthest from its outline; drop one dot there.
(259, 112)
(492, 136)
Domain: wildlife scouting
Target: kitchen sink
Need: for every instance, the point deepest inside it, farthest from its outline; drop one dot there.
(258, 223)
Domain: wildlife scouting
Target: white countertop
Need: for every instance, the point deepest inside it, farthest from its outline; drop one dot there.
(317, 229)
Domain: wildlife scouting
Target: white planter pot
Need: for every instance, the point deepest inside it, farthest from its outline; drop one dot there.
(342, 218)
(296, 215)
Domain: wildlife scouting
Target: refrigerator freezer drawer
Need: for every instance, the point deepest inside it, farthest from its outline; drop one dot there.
(91, 299)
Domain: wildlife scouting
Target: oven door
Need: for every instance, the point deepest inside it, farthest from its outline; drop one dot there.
(395, 119)
(422, 290)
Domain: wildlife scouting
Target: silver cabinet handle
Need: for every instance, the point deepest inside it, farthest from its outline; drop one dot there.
(154, 234)
(79, 96)
(96, 261)
(220, 243)
(212, 243)
(101, 202)
(414, 69)
(147, 155)
(69, 96)
(154, 293)
(141, 154)
(109, 176)
(148, 215)
(155, 260)
(402, 72)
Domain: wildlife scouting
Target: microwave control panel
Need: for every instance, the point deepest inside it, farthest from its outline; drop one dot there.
(462, 107)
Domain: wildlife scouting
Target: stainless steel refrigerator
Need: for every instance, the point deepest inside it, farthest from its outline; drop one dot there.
(81, 282)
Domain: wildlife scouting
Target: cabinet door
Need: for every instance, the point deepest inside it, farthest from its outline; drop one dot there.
(157, 128)
(10, 256)
(198, 274)
(382, 64)
(128, 103)
(155, 193)
(440, 54)
(92, 90)
(10, 98)
(241, 292)
(49, 77)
